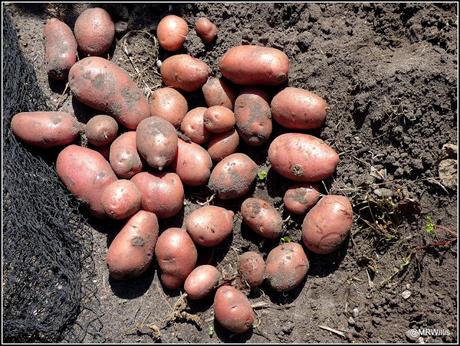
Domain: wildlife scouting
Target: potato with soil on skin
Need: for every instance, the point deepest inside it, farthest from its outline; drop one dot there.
(327, 224)
(302, 157)
(131, 251)
(224, 144)
(233, 310)
(101, 130)
(60, 49)
(251, 267)
(301, 197)
(102, 85)
(262, 218)
(172, 32)
(121, 199)
(162, 193)
(169, 104)
(210, 225)
(219, 119)
(45, 129)
(184, 72)
(201, 281)
(286, 266)
(192, 164)
(254, 65)
(156, 141)
(176, 256)
(218, 92)
(193, 125)
(206, 30)
(86, 174)
(94, 31)
(124, 157)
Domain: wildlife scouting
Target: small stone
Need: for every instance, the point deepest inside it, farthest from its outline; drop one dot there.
(448, 173)
(406, 294)
(355, 312)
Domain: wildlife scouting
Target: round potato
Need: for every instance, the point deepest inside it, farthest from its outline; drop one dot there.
(233, 310)
(101, 130)
(193, 126)
(184, 72)
(262, 218)
(169, 104)
(192, 164)
(172, 32)
(201, 281)
(219, 119)
(251, 267)
(123, 156)
(301, 197)
(121, 199)
(217, 92)
(223, 145)
(206, 29)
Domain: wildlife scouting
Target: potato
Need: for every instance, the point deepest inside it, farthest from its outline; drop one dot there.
(176, 256)
(253, 116)
(94, 31)
(102, 85)
(201, 281)
(162, 193)
(254, 65)
(86, 174)
(184, 72)
(209, 225)
(286, 266)
(156, 141)
(192, 164)
(327, 224)
(233, 310)
(193, 126)
(217, 92)
(262, 218)
(121, 199)
(131, 251)
(123, 157)
(218, 119)
(301, 197)
(169, 104)
(206, 29)
(223, 145)
(101, 130)
(60, 49)
(45, 129)
(251, 267)
(233, 176)
(302, 157)
(171, 32)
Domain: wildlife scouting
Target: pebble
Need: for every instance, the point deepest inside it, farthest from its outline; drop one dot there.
(355, 312)
(406, 294)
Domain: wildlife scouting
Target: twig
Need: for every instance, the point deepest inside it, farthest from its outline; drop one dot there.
(62, 98)
(335, 331)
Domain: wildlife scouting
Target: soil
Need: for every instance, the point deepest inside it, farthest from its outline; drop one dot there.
(389, 75)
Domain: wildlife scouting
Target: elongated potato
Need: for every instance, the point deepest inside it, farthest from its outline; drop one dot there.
(172, 32)
(131, 251)
(233, 310)
(184, 72)
(218, 92)
(45, 129)
(201, 281)
(262, 218)
(206, 29)
(124, 158)
(193, 125)
(219, 119)
(302, 157)
(169, 104)
(301, 197)
(102, 85)
(86, 174)
(254, 65)
(101, 130)
(223, 145)
(251, 267)
(192, 164)
(327, 224)
(121, 199)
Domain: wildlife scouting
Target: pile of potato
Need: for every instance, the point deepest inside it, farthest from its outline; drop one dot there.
(136, 165)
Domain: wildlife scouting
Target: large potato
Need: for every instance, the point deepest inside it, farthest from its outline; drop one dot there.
(101, 130)
(192, 164)
(219, 119)
(302, 157)
(223, 145)
(121, 199)
(217, 92)
(233, 310)
(123, 156)
(184, 72)
(327, 224)
(171, 32)
(301, 197)
(201, 281)
(262, 218)
(193, 125)
(251, 267)
(168, 104)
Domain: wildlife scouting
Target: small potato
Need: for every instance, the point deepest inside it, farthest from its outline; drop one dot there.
(156, 141)
(193, 126)
(219, 119)
(253, 116)
(192, 164)
(223, 145)
(201, 281)
(45, 129)
(209, 225)
(101, 130)
(169, 104)
(123, 157)
(301, 197)
(206, 29)
(218, 92)
(233, 176)
(131, 251)
(302, 157)
(262, 218)
(162, 193)
(184, 72)
(176, 255)
(251, 267)
(121, 199)
(286, 266)
(172, 32)
(233, 310)
(327, 224)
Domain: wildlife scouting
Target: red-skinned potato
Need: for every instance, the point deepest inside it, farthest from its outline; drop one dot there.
(124, 158)
(302, 157)
(233, 176)
(206, 29)
(176, 255)
(327, 224)
(131, 251)
(193, 125)
(217, 92)
(301, 197)
(60, 49)
(201, 281)
(254, 65)
(210, 225)
(121, 199)
(184, 72)
(219, 119)
(233, 310)
(286, 266)
(172, 32)
(192, 164)
(251, 267)
(45, 129)
(262, 218)
(223, 145)
(162, 193)
(169, 104)
(86, 174)
(101, 130)
(102, 85)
